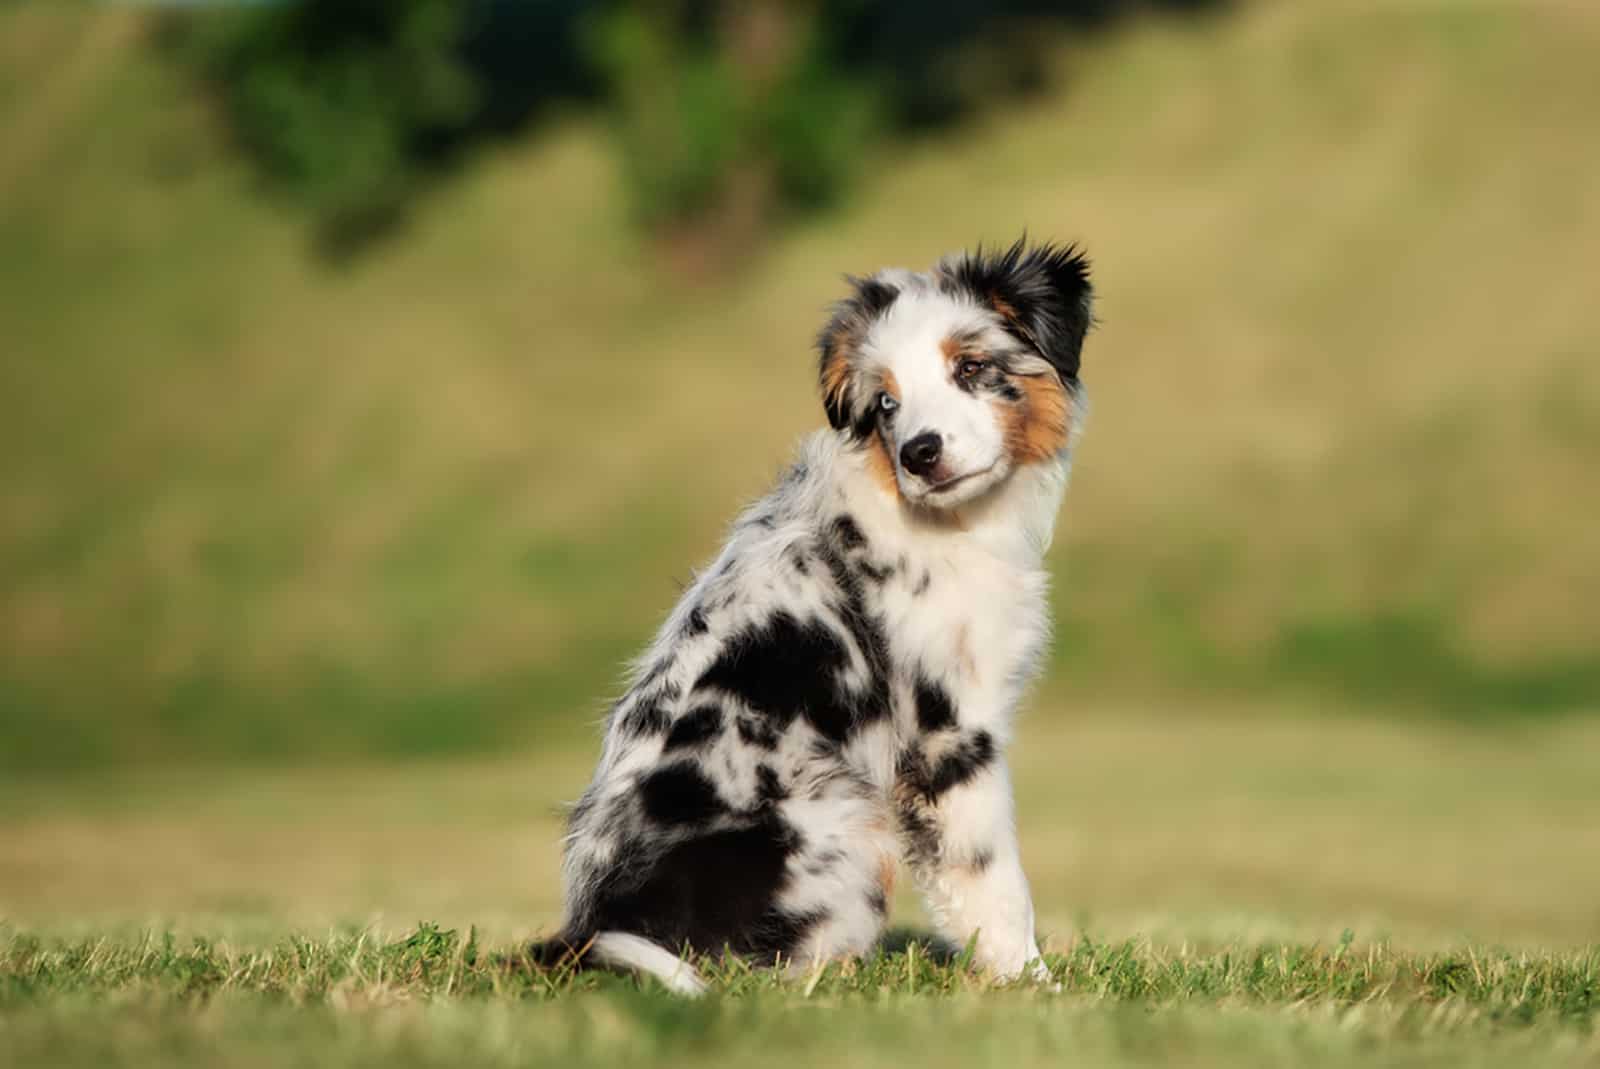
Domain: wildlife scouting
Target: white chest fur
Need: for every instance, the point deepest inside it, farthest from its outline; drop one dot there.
(968, 604)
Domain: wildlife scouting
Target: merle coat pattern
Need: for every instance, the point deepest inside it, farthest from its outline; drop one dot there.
(835, 693)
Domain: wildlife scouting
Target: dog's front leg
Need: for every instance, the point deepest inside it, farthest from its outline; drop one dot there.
(961, 841)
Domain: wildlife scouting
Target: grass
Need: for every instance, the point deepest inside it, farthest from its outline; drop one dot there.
(1215, 886)
(426, 502)
(437, 997)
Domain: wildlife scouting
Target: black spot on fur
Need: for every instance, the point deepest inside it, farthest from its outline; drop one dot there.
(865, 629)
(934, 710)
(680, 794)
(875, 296)
(797, 559)
(769, 788)
(786, 669)
(919, 829)
(930, 780)
(782, 932)
(715, 890)
(971, 756)
(923, 584)
(980, 862)
(847, 534)
(647, 717)
(878, 573)
(758, 731)
(694, 727)
(696, 623)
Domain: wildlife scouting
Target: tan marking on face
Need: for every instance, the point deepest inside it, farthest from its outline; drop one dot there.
(880, 465)
(957, 348)
(954, 349)
(836, 375)
(1038, 427)
(1003, 308)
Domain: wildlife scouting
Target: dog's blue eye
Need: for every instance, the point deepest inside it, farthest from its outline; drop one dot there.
(887, 402)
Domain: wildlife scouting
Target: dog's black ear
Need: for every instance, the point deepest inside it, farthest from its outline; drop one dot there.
(839, 347)
(1042, 293)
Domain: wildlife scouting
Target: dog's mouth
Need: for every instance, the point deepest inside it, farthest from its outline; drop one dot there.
(946, 485)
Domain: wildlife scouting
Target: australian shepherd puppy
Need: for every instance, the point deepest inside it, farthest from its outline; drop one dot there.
(835, 693)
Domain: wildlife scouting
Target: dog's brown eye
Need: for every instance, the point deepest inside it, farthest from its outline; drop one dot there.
(970, 369)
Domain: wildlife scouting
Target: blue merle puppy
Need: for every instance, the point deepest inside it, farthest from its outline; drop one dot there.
(835, 693)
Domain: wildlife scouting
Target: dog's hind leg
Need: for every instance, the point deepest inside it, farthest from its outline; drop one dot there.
(843, 882)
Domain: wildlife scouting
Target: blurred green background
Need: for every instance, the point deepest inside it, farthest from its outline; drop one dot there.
(371, 375)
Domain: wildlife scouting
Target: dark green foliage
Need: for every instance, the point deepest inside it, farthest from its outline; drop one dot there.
(752, 110)
(678, 116)
(338, 102)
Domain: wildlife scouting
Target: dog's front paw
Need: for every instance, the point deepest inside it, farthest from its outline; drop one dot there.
(1040, 974)
(1025, 966)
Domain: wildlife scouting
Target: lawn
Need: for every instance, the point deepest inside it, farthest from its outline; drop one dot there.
(439, 998)
(1220, 887)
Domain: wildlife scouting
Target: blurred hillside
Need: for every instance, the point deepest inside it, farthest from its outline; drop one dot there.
(727, 117)
(1346, 395)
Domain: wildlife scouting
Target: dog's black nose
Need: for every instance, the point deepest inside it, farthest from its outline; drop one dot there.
(919, 455)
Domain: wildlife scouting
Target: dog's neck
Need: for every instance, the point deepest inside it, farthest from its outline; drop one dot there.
(1014, 522)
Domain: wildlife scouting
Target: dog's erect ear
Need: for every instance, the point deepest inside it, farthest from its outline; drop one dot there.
(839, 348)
(1042, 293)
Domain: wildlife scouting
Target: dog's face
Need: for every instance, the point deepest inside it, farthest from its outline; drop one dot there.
(956, 378)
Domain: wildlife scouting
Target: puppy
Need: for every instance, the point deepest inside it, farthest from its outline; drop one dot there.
(835, 693)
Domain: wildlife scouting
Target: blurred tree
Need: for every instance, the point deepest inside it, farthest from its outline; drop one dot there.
(729, 114)
(336, 100)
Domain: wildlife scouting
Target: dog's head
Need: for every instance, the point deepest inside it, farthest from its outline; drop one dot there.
(959, 377)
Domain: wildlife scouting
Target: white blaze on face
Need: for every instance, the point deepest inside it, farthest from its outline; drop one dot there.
(908, 341)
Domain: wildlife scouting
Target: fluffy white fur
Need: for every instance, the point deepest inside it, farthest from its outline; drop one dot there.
(835, 693)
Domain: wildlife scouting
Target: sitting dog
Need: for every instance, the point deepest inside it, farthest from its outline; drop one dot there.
(836, 691)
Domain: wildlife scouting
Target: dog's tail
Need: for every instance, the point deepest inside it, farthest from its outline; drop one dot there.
(624, 951)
